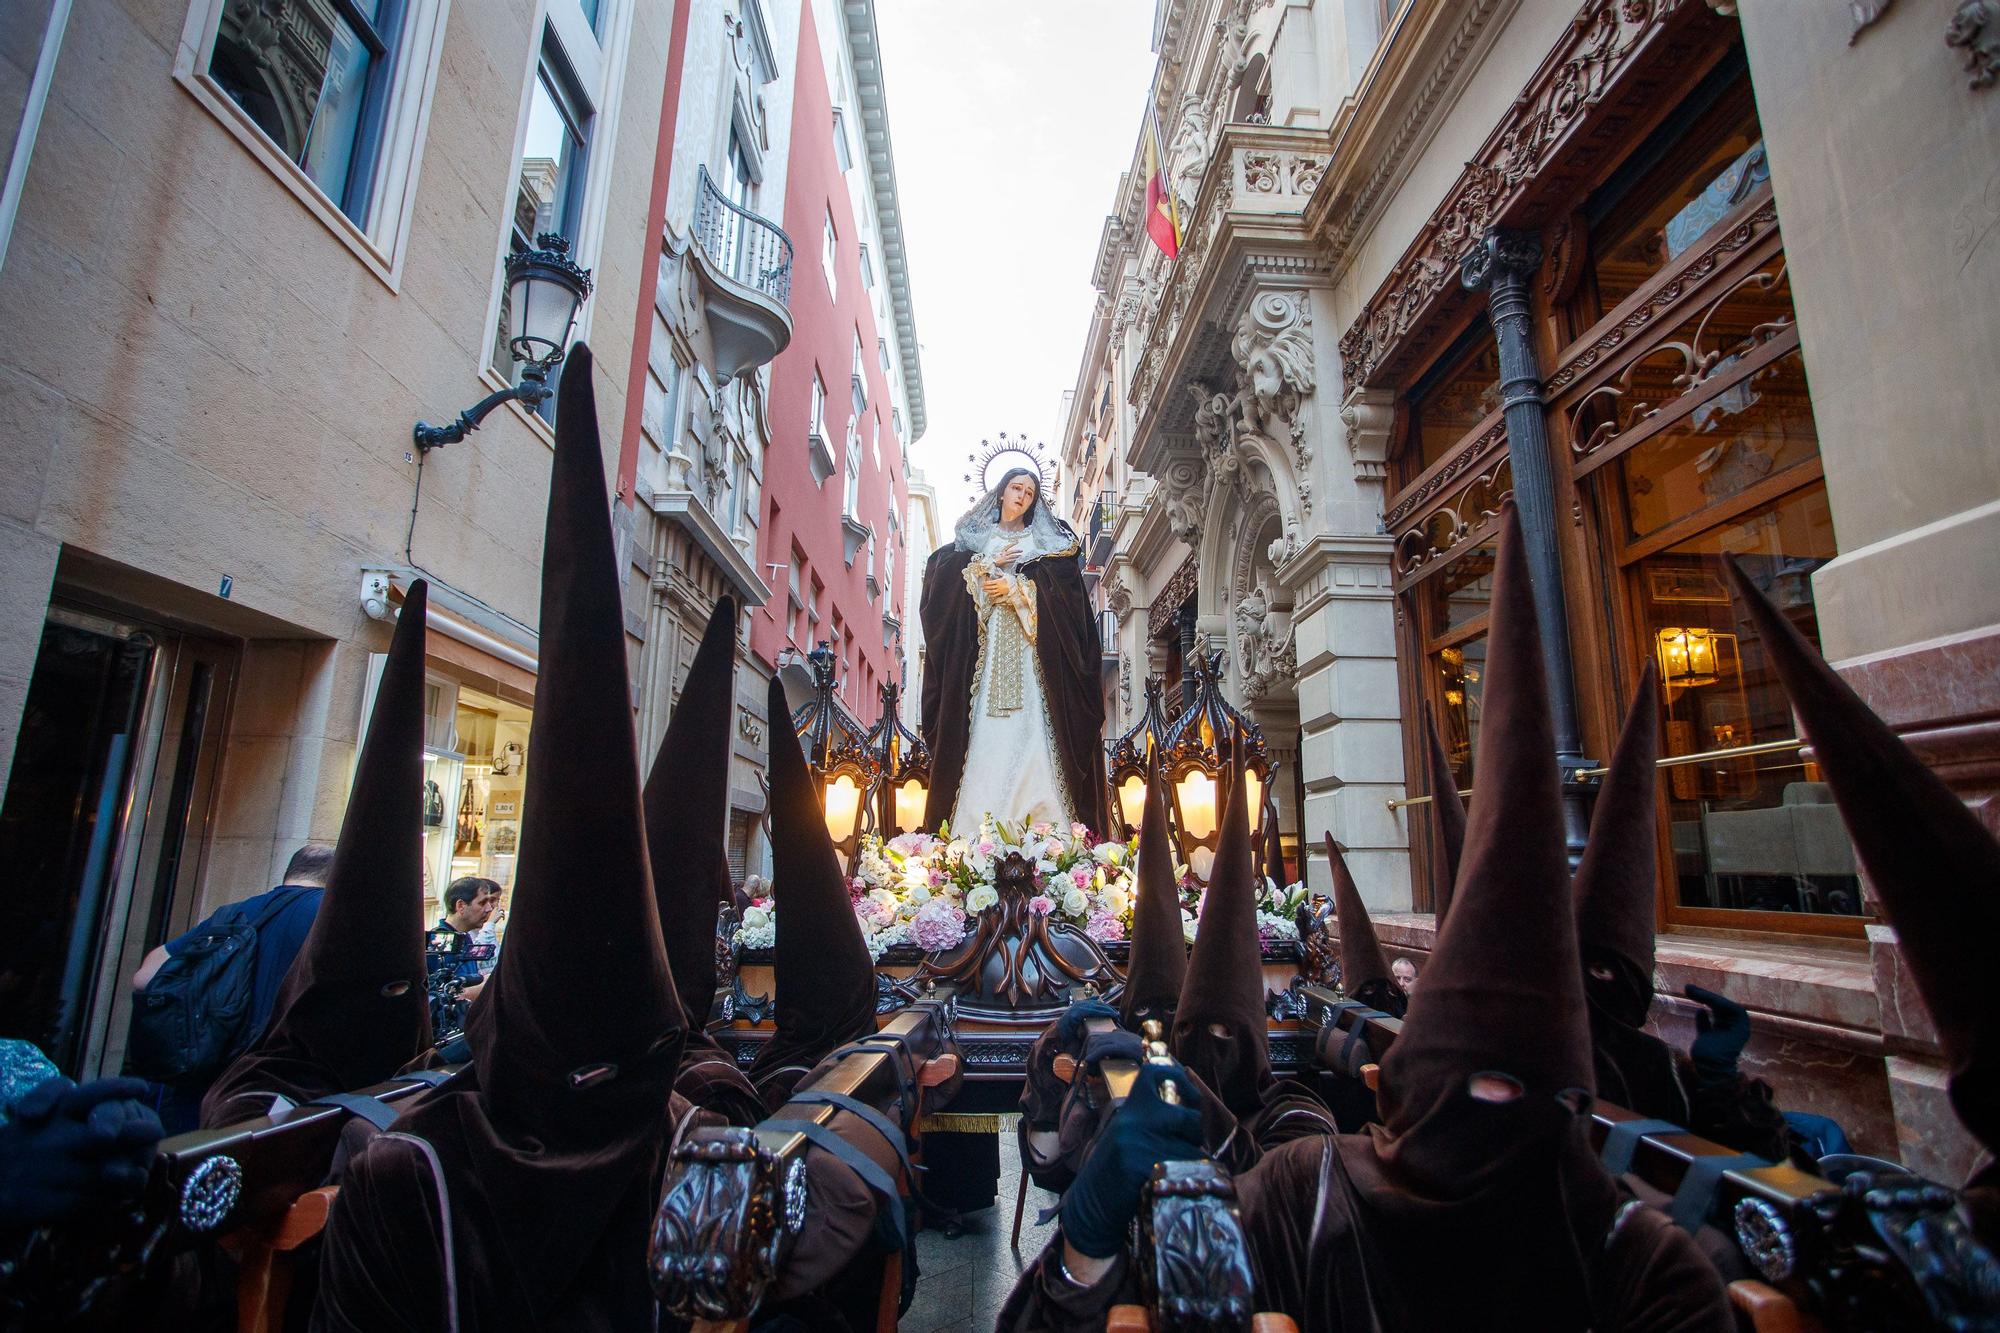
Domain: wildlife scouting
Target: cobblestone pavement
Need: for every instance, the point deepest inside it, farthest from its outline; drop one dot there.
(964, 1281)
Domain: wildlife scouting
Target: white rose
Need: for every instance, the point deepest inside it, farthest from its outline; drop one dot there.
(920, 893)
(755, 918)
(1115, 901)
(1075, 902)
(1187, 925)
(981, 898)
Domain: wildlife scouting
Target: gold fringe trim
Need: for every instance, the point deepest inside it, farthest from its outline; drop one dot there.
(960, 1124)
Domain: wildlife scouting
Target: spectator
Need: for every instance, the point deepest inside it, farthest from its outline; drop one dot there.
(282, 916)
(1404, 972)
(469, 903)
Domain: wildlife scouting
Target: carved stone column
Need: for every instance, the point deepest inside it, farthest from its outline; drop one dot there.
(1501, 266)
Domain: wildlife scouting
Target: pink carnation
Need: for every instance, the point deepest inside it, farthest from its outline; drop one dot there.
(937, 878)
(1082, 877)
(937, 925)
(1104, 927)
(1040, 905)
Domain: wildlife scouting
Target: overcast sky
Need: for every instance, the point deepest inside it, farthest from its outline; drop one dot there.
(1010, 122)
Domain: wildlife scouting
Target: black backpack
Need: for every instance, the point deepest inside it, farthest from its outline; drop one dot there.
(193, 1017)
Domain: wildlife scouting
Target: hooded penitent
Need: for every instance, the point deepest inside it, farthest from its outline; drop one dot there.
(1509, 1186)
(1159, 949)
(1616, 885)
(1932, 865)
(1447, 818)
(1364, 970)
(1219, 1027)
(1274, 852)
(353, 1008)
(824, 980)
(687, 813)
(546, 1150)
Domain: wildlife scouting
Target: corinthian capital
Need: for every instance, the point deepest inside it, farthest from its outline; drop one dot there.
(1502, 254)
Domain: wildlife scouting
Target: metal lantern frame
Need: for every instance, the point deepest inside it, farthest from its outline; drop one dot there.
(901, 758)
(836, 749)
(1126, 757)
(1200, 742)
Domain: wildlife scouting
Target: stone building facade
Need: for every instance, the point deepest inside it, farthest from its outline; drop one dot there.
(1629, 265)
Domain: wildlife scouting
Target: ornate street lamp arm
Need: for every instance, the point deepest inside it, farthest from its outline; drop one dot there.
(532, 391)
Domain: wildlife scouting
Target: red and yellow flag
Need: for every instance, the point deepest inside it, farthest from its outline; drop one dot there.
(1163, 214)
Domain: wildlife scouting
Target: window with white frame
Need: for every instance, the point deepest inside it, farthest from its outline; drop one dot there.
(819, 406)
(882, 351)
(860, 378)
(841, 154)
(896, 421)
(875, 439)
(829, 256)
(331, 96)
(867, 268)
(548, 198)
(850, 504)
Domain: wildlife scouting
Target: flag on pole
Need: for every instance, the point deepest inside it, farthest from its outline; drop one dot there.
(1163, 214)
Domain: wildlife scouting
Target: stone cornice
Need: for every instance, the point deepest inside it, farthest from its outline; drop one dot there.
(865, 53)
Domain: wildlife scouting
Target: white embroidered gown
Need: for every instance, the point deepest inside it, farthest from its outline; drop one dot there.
(1010, 765)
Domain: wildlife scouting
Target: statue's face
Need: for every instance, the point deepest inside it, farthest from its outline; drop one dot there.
(1016, 498)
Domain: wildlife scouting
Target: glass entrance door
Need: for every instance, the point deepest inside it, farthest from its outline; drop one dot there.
(101, 827)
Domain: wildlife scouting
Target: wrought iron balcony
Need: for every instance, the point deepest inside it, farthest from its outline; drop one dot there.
(746, 261)
(1103, 517)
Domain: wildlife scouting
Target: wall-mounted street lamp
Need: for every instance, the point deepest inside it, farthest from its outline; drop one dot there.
(545, 289)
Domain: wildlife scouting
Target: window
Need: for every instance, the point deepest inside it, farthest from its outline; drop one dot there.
(818, 426)
(841, 154)
(796, 596)
(882, 349)
(850, 504)
(316, 80)
(1449, 401)
(549, 197)
(1678, 188)
(860, 379)
(875, 441)
(812, 601)
(867, 270)
(740, 181)
(829, 257)
(331, 97)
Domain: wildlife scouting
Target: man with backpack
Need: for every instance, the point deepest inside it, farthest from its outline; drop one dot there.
(203, 998)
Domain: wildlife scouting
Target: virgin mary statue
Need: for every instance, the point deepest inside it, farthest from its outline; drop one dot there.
(1012, 710)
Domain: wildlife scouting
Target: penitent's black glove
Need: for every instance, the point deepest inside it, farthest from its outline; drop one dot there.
(66, 1150)
(1097, 1211)
(1070, 1028)
(1117, 1044)
(1722, 1030)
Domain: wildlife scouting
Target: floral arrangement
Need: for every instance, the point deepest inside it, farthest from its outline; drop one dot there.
(927, 891)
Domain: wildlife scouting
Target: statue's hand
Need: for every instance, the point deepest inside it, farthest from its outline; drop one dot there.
(1007, 554)
(996, 589)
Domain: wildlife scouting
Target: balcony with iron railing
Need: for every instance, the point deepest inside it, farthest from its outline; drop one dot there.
(745, 262)
(1103, 519)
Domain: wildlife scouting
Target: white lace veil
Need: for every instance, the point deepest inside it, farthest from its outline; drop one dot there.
(1045, 533)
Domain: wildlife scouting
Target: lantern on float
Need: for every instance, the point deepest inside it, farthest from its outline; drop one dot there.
(838, 753)
(1127, 756)
(1195, 759)
(903, 766)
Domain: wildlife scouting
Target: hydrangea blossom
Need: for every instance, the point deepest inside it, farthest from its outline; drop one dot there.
(938, 925)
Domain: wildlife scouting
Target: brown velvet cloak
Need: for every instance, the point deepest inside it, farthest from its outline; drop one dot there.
(1318, 1255)
(1067, 652)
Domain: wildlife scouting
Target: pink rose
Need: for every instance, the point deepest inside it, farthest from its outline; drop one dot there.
(1040, 905)
(1082, 877)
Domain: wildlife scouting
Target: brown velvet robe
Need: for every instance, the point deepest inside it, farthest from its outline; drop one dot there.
(1319, 1253)
(1067, 652)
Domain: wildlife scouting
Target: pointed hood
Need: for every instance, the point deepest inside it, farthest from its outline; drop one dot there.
(1158, 963)
(1220, 1029)
(353, 1008)
(825, 981)
(1618, 879)
(583, 940)
(1504, 991)
(1932, 864)
(1447, 817)
(687, 814)
(1362, 963)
